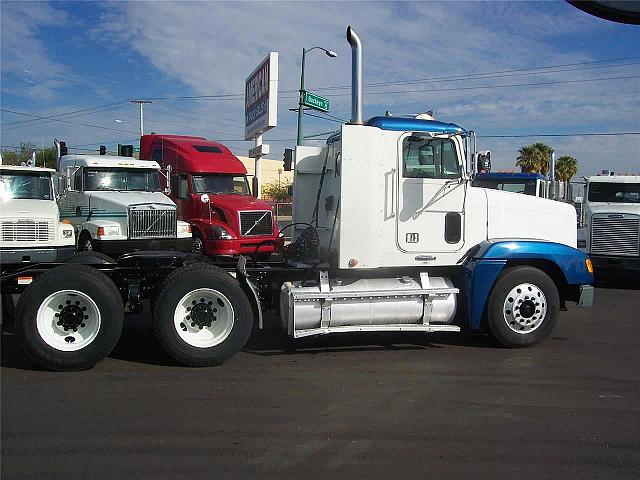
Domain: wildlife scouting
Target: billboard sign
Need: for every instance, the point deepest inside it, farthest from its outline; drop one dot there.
(261, 98)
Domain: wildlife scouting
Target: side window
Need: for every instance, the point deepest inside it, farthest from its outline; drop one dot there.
(156, 156)
(181, 184)
(429, 158)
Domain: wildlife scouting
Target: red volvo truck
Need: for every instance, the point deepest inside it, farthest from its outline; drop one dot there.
(209, 185)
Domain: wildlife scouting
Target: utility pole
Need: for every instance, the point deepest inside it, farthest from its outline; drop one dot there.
(141, 102)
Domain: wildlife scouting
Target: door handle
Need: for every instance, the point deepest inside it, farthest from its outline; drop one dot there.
(425, 258)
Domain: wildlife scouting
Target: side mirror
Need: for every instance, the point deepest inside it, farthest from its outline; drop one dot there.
(483, 161)
(204, 198)
(70, 172)
(62, 186)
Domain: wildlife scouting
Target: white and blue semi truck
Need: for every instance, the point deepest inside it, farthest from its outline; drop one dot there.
(389, 235)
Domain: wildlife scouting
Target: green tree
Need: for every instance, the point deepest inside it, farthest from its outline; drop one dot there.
(46, 157)
(534, 158)
(278, 191)
(566, 168)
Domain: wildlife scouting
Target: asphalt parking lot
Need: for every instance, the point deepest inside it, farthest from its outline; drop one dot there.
(410, 405)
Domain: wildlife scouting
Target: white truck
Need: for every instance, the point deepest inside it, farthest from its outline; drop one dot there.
(611, 222)
(389, 235)
(30, 227)
(116, 205)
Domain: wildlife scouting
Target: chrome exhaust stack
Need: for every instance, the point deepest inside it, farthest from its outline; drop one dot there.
(56, 142)
(356, 76)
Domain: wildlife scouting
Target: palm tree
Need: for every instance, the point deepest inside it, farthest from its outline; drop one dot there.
(566, 168)
(534, 158)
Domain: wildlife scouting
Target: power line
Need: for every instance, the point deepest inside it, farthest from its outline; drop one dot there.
(67, 121)
(70, 113)
(38, 122)
(470, 76)
(589, 134)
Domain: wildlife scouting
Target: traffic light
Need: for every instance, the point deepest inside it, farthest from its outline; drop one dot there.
(63, 149)
(288, 159)
(126, 151)
(103, 150)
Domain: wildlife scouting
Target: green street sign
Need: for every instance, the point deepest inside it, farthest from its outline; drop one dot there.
(314, 101)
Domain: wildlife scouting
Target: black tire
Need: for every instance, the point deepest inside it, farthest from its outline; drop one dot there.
(179, 284)
(198, 243)
(90, 258)
(85, 241)
(8, 313)
(94, 285)
(532, 325)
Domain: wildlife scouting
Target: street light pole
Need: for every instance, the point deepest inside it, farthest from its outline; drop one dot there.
(329, 53)
(141, 102)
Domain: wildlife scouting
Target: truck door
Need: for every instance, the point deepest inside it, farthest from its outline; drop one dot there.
(180, 195)
(431, 194)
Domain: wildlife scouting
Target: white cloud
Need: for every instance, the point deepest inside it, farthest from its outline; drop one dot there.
(210, 47)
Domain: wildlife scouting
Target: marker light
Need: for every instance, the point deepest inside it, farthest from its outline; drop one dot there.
(589, 265)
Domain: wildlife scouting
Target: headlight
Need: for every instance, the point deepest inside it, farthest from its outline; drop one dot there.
(220, 233)
(67, 233)
(108, 230)
(184, 227)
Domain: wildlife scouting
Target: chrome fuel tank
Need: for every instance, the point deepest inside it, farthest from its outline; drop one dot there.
(367, 302)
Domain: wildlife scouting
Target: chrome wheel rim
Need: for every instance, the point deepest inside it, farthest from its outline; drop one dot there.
(524, 308)
(68, 320)
(203, 318)
(87, 246)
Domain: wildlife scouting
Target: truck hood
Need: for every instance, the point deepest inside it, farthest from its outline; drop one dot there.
(632, 208)
(233, 202)
(119, 201)
(514, 215)
(25, 208)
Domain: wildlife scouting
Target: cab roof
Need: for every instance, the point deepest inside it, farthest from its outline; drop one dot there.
(614, 179)
(21, 168)
(105, 161)
(193, 154)
(405, 124)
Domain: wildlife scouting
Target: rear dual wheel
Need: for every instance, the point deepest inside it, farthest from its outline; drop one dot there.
(202, 317)
(69, 318)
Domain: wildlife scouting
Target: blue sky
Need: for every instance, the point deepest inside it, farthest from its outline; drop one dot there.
(59, 57)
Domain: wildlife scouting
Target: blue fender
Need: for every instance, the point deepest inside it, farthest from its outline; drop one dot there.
(487, 260)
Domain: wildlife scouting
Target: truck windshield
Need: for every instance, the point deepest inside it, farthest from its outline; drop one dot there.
(614, 192)
(220, 183)
(528, 187)
(144, 180)
(25, 185)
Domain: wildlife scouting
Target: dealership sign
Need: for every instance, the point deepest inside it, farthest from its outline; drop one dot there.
(261, 98)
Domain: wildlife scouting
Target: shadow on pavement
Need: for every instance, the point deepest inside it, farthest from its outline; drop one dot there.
(138, 344)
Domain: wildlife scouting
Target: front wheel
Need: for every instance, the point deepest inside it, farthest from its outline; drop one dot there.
(523, 306)
(69, 318)
(202, 317)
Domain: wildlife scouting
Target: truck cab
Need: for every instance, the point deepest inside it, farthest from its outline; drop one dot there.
(210, 188)
(611, 221)
(116, 205)
(30, 226)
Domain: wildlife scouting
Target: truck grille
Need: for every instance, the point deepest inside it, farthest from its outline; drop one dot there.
(615, 234)
(256, 222)
(149, 223)
(27, 231)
